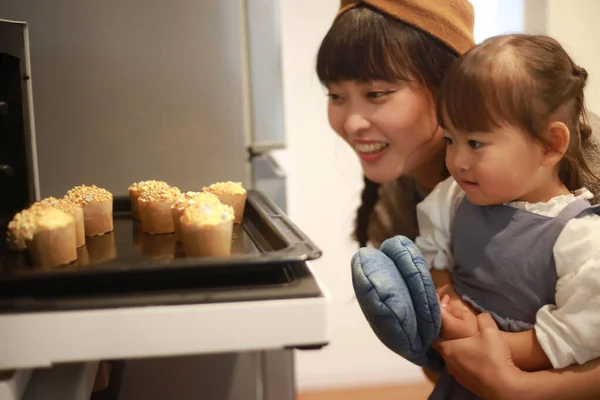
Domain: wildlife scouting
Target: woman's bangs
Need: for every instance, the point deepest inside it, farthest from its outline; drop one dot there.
(359, 48)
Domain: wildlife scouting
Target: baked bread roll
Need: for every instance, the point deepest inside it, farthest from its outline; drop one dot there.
(207, 229)
(185, 200)
(97, 206)
(53, 240)
(155, 209)
(76, 210)
(136, 189)
(232, 194)
(20, 226)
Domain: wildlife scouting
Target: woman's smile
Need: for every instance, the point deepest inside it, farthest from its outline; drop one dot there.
(370, 151)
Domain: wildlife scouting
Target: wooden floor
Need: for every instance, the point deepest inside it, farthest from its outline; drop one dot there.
(407, 392)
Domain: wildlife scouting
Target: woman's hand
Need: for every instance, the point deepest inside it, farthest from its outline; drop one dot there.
(482, 363)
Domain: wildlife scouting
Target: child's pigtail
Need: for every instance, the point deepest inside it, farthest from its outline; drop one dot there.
(585, 131)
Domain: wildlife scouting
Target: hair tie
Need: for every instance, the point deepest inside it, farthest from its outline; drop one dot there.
(580, 72)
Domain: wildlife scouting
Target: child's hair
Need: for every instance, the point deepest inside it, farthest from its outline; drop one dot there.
(527, 81)
(365, 45)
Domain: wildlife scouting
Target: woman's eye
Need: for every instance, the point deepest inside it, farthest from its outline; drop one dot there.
(333, 96)
(378, 94)
(447, 140)
(474, 144)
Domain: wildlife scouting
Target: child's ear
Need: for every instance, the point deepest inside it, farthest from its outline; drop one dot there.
(557, 137)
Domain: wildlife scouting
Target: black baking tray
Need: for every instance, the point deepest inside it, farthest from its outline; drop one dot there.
(265, 243)
(192, 286)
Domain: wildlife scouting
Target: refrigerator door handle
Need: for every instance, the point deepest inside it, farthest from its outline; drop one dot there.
(268, 175)
(264, 148)
(278, 172)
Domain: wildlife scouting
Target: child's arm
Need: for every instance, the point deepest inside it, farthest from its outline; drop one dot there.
(435, 215)
(457, 322)
(444, 286)
(526, 351)
(569, 331)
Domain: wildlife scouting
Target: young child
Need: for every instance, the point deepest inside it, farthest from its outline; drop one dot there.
(513, 224)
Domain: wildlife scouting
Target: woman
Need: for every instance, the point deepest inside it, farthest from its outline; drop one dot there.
(382, 62)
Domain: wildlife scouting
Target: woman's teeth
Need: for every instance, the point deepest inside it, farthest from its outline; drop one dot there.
(370, 147)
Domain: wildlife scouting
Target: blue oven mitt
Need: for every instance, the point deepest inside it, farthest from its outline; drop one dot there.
(397, 296)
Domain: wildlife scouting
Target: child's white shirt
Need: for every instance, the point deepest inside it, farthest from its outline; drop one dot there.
(569, 332)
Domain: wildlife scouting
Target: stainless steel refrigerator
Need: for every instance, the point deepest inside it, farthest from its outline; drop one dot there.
(186, 91)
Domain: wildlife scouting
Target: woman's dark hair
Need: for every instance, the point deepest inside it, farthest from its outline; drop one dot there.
(365, 45)
(527, 81)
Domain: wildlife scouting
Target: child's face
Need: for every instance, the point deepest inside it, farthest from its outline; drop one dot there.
(391, 126)
(496, 167)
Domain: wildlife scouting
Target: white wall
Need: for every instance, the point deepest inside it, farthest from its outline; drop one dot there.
(324, 188)
(576, 24)
(493, 17)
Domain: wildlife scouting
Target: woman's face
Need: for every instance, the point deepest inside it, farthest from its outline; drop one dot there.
(392, 127)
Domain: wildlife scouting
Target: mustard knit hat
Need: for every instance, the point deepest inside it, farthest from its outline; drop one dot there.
(450, 21)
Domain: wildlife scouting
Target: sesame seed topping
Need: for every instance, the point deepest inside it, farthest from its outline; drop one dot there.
(159, 194)
(193, 198)
(87, 194)
(225, 187)
(62, 204)
(148, 184)
(24, 224)
(208, 214)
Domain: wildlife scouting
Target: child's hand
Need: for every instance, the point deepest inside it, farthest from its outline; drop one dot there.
(457, 323)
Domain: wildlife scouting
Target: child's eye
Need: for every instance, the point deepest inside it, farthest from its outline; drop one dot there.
(475, 144)
(447, 140)
(333, 96)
